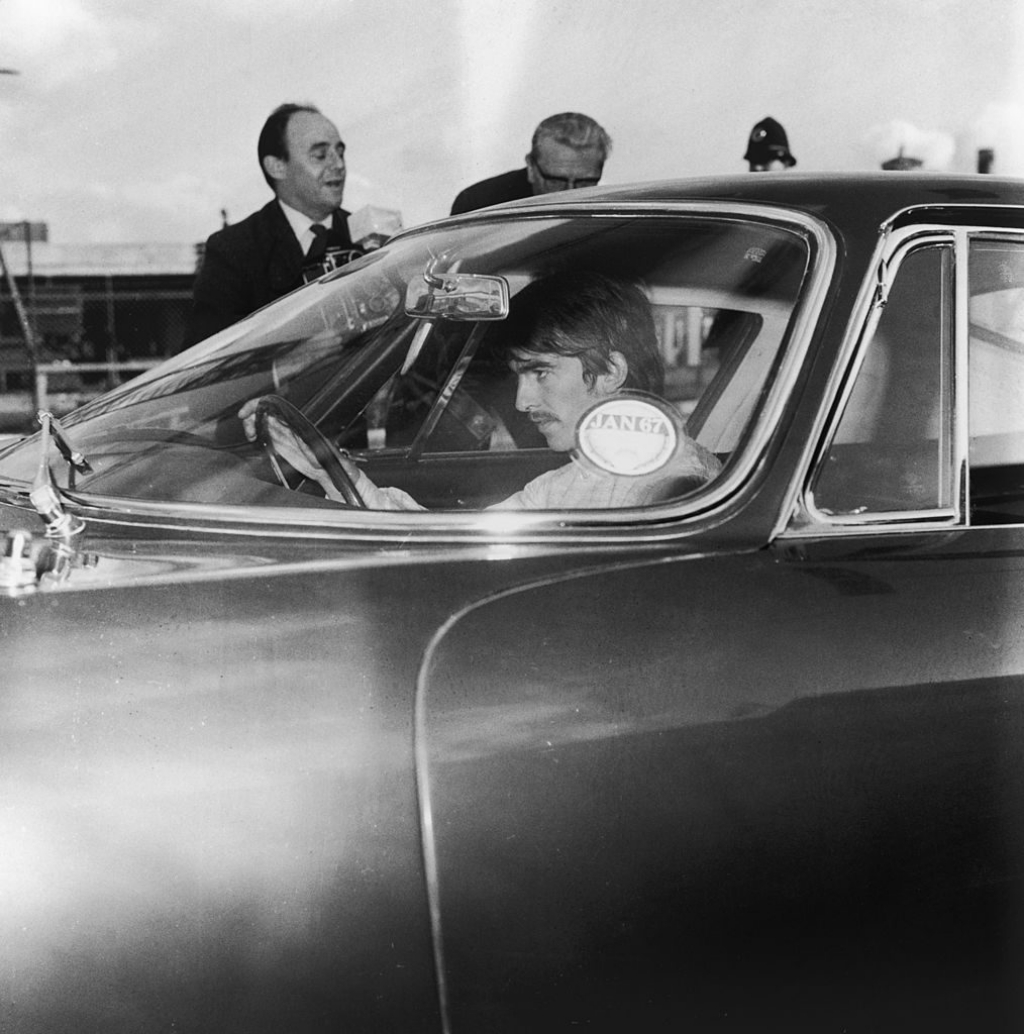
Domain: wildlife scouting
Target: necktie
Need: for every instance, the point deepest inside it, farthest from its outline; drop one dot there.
(318, 248)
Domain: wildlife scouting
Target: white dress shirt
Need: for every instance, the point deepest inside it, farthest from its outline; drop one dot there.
(301, 224)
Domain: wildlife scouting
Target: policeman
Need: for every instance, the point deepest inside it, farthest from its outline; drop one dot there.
(768, 148)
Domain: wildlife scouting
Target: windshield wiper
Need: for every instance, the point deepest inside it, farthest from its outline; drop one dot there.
(76, 459)
(44, 496)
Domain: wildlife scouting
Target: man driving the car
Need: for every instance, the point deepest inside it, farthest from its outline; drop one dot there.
(572, 340)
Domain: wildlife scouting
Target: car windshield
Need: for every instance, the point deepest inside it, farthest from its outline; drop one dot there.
(429, 405)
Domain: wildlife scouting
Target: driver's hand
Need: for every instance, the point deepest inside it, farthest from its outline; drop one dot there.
(247, 414)
(291, 448)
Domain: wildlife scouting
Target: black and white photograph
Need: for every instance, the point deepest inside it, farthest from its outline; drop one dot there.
(512, 517)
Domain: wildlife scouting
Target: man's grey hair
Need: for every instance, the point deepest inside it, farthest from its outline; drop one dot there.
(574, 130)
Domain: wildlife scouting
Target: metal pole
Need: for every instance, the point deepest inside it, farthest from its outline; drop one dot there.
(111, 329)
(26, 327)
(31, 275)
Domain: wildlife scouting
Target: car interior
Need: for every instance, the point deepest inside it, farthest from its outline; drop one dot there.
(446, 430)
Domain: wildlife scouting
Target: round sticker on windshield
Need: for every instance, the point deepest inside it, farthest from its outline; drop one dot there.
(629, 434)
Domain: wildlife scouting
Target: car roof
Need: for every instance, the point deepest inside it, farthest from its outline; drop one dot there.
(852, 200)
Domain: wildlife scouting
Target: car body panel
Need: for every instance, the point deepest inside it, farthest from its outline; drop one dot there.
(185, 798)
(782, 788)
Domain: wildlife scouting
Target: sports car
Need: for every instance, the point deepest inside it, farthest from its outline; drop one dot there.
(745, 756)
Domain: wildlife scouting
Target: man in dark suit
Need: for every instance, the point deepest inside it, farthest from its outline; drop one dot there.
(568, 150)
(249, 264)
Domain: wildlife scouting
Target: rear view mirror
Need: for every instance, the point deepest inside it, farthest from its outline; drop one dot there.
(457, 296)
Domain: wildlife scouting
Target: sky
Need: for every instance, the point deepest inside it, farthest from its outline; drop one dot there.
(133, 121)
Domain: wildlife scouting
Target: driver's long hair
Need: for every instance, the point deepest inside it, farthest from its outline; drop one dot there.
(588, 315)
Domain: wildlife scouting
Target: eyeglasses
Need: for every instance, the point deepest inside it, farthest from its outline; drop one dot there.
(566, 182)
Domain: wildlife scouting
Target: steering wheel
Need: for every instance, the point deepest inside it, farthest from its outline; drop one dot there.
(328, 455)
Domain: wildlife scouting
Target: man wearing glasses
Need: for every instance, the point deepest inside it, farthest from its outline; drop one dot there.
(568, 151)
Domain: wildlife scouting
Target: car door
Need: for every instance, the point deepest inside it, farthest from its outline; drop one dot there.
(778, 789)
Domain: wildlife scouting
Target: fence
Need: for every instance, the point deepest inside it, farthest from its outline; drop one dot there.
(93, 320)
(70, 385)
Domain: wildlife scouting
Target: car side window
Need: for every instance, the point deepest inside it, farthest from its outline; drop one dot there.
(996, 382)
(893, 446)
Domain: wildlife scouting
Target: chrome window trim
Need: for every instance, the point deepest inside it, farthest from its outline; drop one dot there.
(797, 519)
(961, 387)
(663, 523)
(801, 518)
(1006, 235)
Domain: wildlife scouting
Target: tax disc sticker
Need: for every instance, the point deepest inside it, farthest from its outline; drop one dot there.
(629, 434)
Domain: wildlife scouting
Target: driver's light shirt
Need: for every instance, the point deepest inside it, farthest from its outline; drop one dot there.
(578, 487)
(574, 486)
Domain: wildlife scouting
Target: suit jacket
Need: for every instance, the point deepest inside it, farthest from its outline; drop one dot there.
(247, 265)
(509, 186)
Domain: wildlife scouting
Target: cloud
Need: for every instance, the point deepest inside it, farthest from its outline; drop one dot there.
(179, 200)
(933, 148)
(493, 59)
(119, 102)
(997, 126)
(258, 10)
(173, 194)
(55, 41)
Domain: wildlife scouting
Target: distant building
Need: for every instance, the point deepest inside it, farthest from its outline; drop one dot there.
(94, 303)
